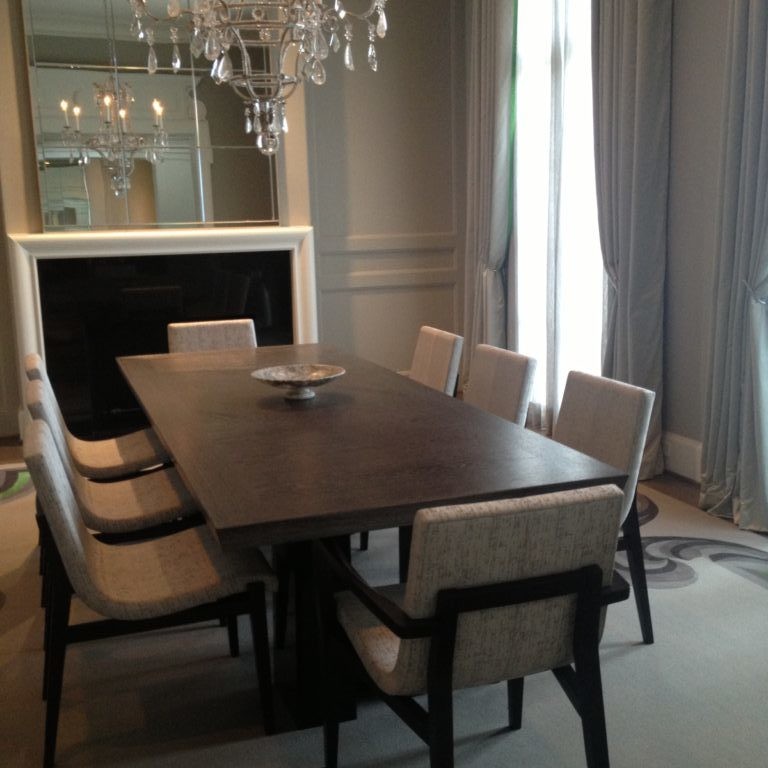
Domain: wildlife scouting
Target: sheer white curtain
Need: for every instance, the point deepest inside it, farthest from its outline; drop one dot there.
(490, 68)
(557, 290)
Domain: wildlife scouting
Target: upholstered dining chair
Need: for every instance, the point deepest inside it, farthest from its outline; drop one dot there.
(168, 581)
(500, 382)
(496, 591)
(108, 458)
(436, 359)
(211, 334)
(133, 503)
(608, 420)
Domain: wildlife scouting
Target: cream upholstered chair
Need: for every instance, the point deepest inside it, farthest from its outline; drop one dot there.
(168, 581)
(608, 420)
(496, 591)
(211, 334)
(501, 382)
(108, 458)
(436, 359)
(121, 506)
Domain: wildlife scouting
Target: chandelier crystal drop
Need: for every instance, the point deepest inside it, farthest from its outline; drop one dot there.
(114, 142)
(277, 45)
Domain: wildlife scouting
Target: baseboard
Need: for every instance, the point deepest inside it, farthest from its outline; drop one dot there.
(682, 456)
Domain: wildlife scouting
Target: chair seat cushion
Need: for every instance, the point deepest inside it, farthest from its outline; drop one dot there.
(172, 573)
(149, 499)
(399, 667)
(118, 456)
(377, 646)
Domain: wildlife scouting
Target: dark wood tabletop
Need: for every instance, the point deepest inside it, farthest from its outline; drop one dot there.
(368, 451)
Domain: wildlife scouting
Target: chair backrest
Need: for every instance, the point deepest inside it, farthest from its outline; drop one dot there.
(607, 420)
(501, 382)
(34, 367)
(436, 359)
(211, 334)
(497, 541)
(41, 403)
(78, 550)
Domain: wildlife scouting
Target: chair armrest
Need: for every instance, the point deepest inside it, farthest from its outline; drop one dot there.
(616, 591)
(330, 556)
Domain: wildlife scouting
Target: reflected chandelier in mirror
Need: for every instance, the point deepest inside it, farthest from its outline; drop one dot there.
(114, 142)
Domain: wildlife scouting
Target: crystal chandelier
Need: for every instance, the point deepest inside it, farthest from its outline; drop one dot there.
(296, 36)
(114, 141)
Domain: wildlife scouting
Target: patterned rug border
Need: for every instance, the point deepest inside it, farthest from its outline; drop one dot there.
(668, 559)
(15, 482)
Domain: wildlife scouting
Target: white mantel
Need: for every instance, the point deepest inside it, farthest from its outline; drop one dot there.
(26, 250)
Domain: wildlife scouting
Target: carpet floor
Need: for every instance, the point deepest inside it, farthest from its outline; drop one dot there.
(175, 698)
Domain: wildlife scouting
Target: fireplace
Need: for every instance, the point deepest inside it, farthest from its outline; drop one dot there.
(81, 299)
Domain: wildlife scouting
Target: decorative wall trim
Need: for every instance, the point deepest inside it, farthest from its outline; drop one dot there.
(398, 243)
(388, 278)
(682, 456)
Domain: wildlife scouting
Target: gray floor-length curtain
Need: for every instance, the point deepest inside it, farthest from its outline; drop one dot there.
(490, 79)
(632, 62)
(735, 445)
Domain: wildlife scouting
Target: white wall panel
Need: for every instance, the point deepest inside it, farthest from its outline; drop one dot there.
(381, 324)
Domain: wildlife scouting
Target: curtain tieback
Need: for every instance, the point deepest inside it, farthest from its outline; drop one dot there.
(754, 295)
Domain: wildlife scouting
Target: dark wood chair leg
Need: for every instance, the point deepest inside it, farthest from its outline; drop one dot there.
(282, 598)
(48, 617)
(440, 724)
(59, 607)
(634, 547)
(592, 711)
(234, 640)
(49, 587)
(404, 540)
(363, 540)
(515, 703)
(331, 743)
(42, 538)
(260, 633)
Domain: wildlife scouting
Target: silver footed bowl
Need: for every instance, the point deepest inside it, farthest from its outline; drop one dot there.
(298, 380)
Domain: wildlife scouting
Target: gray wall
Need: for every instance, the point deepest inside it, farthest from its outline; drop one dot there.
(387, 163)
(700, 28)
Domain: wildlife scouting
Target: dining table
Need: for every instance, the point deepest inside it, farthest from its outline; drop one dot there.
(365, 453)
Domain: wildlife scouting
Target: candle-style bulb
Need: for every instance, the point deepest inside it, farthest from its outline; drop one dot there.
(158, 109)
(64, 104)
(107, 101)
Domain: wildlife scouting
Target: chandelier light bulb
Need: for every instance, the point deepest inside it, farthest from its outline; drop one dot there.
(158, 109)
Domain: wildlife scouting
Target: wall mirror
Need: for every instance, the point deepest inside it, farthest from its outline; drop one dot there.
(118, 147)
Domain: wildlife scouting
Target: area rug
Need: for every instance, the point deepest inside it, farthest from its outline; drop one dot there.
(14, 481)
(672, 562)
(176, 699)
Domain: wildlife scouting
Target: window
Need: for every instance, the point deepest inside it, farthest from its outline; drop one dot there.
(559, 279)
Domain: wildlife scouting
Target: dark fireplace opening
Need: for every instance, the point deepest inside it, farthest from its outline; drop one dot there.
(96, 309)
